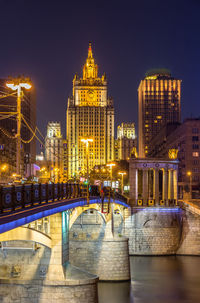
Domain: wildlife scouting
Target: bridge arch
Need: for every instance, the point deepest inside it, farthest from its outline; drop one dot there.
(26, 234)
(78, 211)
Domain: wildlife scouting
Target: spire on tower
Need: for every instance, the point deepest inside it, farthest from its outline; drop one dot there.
(90, 69)
(90, 50)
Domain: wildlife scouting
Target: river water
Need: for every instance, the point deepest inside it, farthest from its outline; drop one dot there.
(174, 279)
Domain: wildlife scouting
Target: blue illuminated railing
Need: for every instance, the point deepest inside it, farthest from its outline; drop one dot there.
(21, 196)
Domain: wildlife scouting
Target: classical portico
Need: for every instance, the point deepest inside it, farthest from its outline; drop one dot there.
(153, 181)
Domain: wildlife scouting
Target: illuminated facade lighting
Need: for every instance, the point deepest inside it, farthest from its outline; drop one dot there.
(90, 114)
(159, 96)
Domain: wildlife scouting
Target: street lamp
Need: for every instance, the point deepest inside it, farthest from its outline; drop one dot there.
(18, 84)
(189, 174)
(111, 166)
(86, 141)
(122, 175)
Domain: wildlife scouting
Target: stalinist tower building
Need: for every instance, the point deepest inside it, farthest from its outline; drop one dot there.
(90, 115)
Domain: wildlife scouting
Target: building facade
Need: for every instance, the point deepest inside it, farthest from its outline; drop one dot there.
(90, 115)
(185, 138)
(7, 158)
(126, 139)
(159, 98)
(54, 150)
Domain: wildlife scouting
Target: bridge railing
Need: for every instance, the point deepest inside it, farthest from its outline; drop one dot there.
(21, 196)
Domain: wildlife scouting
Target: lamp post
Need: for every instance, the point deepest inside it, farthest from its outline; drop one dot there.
(18, 84)
(111, 165)
(189, 174)
(122, 173)
(86, 141)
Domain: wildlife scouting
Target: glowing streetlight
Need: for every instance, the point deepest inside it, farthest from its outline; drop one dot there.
(18, 84)
(189, 174)
(122, 175)
(111, 166)
(4, 167)
(86, 141)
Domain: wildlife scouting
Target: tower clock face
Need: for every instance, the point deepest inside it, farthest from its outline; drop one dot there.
(90, 94)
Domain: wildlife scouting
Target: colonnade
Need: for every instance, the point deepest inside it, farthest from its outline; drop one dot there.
(153, 181)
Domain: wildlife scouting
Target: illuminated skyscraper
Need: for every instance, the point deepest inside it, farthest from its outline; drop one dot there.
(54, 150)
(126, 140)
(90, 114)
(159, 96)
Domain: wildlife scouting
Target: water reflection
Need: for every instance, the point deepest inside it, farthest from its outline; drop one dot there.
(156, 280)
(115, 292)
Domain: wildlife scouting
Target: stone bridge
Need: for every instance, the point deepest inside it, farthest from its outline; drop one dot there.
(69, 240)
(35, 224)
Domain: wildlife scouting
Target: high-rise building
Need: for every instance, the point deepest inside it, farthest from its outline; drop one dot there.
(185, 139)
(90, 114)
(126, 130)
(54, 150)
(126, 140)
(9, 125)
(159, 97)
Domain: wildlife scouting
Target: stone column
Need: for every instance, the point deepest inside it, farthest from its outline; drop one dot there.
(156, 186)
(175, 183)
(145, 186)
(165, 185)
(113, 262)
(170, 184)
(134, 185)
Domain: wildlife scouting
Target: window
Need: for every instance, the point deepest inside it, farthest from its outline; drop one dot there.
(195, 138)
(195, 130)
(195, 154)
(195, 146)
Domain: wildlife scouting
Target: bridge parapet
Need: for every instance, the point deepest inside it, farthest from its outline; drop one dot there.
(16, 197)
(191, 206)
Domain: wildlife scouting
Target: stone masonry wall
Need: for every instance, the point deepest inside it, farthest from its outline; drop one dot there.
(36, 292)
(190, 240)
(92, 251)
(153, 232)
(109, 259)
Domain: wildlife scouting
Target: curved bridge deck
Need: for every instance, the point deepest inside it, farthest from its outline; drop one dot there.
(21, 205)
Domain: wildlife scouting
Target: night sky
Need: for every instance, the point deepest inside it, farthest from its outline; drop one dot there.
(48, 41)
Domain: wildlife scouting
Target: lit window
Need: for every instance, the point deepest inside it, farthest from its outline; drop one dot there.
(195, 154)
